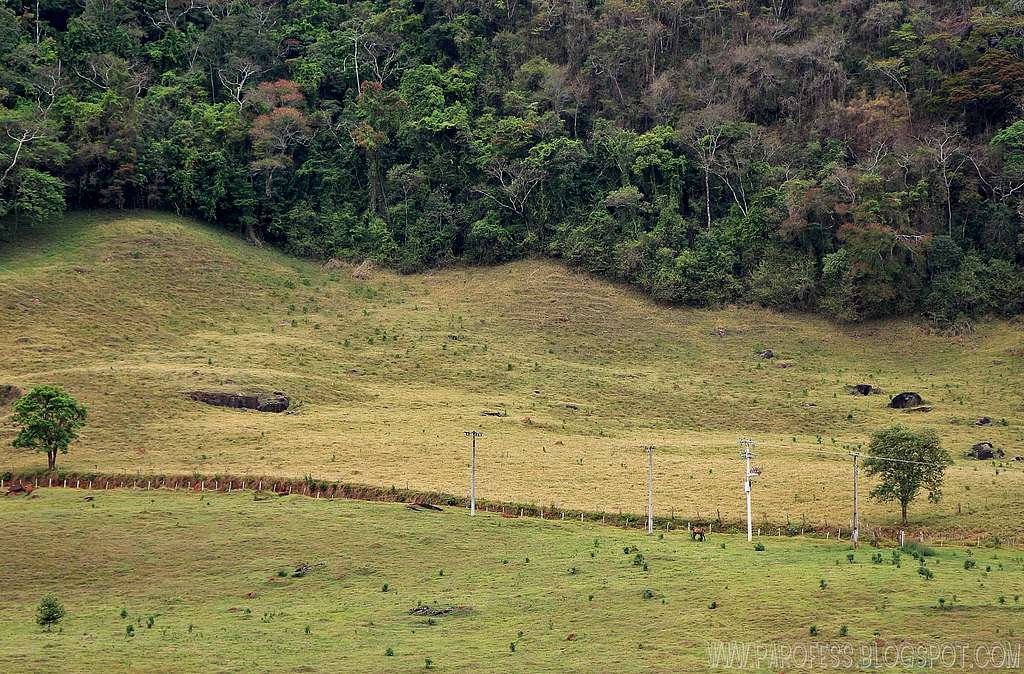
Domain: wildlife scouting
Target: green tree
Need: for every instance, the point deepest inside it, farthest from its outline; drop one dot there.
(49, 418)
(907, 462)
(49, 612)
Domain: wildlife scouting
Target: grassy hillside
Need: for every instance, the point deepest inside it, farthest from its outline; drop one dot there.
(205, 569)
(129, 311)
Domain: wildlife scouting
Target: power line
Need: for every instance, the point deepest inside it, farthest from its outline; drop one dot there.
(472, 471)
(878, 458)
(650, 488)
(855, 528)
(746, 445)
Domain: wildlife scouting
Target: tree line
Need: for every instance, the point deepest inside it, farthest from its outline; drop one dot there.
(858, 158)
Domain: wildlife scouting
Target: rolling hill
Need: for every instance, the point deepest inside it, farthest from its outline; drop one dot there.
(566, 375)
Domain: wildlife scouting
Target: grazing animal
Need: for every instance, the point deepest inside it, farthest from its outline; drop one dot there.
(697, 532)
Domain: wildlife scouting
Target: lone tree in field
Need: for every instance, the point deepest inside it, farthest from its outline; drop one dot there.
(49, 612)
(907, 463)
(49, 418)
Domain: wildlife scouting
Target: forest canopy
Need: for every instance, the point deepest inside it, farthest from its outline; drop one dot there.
(853, 157)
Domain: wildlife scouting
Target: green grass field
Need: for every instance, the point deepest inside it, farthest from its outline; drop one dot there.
(205, 568)
(127, 311)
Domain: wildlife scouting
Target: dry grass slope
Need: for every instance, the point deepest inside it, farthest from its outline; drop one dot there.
(128, 311)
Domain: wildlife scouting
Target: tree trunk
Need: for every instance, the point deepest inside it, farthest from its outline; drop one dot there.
(707, 195)
(51, 460)
(903, 506)
(251, 234)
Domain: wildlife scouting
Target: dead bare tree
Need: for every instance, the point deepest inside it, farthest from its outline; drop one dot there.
(48, 82)
(237, 75)
(173, 11)
(516, 181)
(21, 138)
(945, 148)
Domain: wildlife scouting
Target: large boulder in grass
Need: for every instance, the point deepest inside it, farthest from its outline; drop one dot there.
(260, 401)
(906, 399)
(985, 451)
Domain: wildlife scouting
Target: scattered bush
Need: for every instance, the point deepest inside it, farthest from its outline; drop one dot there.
(49, 612)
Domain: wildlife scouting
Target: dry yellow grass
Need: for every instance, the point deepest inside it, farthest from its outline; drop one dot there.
(128, 311)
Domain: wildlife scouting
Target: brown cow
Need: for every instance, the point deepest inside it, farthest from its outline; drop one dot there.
(25, 489)
(697, 532)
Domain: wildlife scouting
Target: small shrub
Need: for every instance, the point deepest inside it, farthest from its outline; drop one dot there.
(814, 630)
(308, 630)
(877, 558)
(49, 612)
(843, 631)
(124, 613)
(428, 663)
(918, 550)
(512, 646)
(823, 584)
(281, 573)
(850, 557)
(926, 572)
(384, 587)
(389, 652)
(759, 547)
(129, 632)
(969, 564)
(648, 594)
(713, 605)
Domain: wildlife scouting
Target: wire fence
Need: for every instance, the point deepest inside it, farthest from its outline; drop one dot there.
(709, 522)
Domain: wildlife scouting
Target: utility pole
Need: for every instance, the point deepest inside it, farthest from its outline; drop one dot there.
(746, 445)
(855, 529)
(650, 488)
(472, 472)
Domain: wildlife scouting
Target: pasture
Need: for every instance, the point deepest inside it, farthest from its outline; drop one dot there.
(206, 582)
(565, 374)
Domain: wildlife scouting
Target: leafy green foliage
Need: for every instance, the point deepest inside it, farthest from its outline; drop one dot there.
(641, 143)
(906, 462)
(50, 612)
(49, 419)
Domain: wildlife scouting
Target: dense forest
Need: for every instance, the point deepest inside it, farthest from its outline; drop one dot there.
(854, 157)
